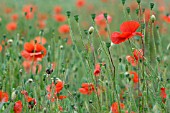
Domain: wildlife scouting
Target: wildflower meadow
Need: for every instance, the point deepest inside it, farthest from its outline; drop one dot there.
(84, 56)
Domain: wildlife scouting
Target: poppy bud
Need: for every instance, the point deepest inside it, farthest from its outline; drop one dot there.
(61, 47)
(108, 45)
(45, 110)
(10, 41)
(151, 5)
(91, 30)
(105, 15)
(138, 1)
(137, 11)
(86, 32)
(29, 81)
(128, 10)
(68, 14)
(49, 71)
(76, 17)
(126, 74)
(153, 18)
(123, 2)
(90, 101)
(93, 16)
(14, 95)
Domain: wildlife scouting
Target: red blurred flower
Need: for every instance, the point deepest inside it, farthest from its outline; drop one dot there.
(8, 10)
(33, 51)
(163, 93)
(135, 76)
(18, 107)
(14, 17)
(29, 15)
(60, 18)
(29, 8)
(166, 18)
(3, 96)
(87, 88)
(97, 70)
(41, 24)
(55, 87)
(29, 65)
(42, 16)
(0, 48)
(137, 55)
(57, 9)
(128, 30)
(80, 3)
(11, 26)
(64, 29)
(40, 40)
(115, 107)
(101, 21)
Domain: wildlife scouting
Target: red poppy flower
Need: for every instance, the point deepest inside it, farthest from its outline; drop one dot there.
(80, 3)
(42, 16)
(87, 88)
(166, 18)
(18, 107)
(11, 26)
(163, 93)
(31, 101)
(135, 76)
(28, 65)
(3, 96)
(8, 10)
(60, 108)
(56, 87)
(59, 18)
(101, 21)
(14, 17)
(128, 30)
(29, 15)
(133, 60)
(64, 29)
(0, 48)
(57, 9)
(115, 107)
(41, 24)
(29, 8)
(97, 70)
(33, 51)
(40, 40)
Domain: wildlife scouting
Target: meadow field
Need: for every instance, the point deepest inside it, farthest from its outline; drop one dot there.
(84, 56)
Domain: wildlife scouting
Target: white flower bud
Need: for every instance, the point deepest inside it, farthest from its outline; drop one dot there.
(153, 18)
(91, 30)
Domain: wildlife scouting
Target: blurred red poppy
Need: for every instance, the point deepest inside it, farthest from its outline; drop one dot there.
(40, 40)
(56, 87)
(33, 51)
(163, 92)
(101, 21)
(12, 26)
(64, 29)
(135, 76)
(34, 66)
(14, 17)
(97, 70)
(115, 107)
(18, 107)
(57, 9)
(137, 55)
(80, 3)
(59, 18)
(87, 88)
(128, 30)
(3, 96)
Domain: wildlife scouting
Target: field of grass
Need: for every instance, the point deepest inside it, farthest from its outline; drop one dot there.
(84, 56)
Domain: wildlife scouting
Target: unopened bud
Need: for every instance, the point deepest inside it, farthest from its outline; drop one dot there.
(91, 30)
(61, 47)
(14, 95)
(10, 41)
(29, 80)
(153, 18)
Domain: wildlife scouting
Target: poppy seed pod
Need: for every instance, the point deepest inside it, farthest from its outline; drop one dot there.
(153, 18)
(91, 30)
(68, 14)
(93, 16)
(151, 5)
